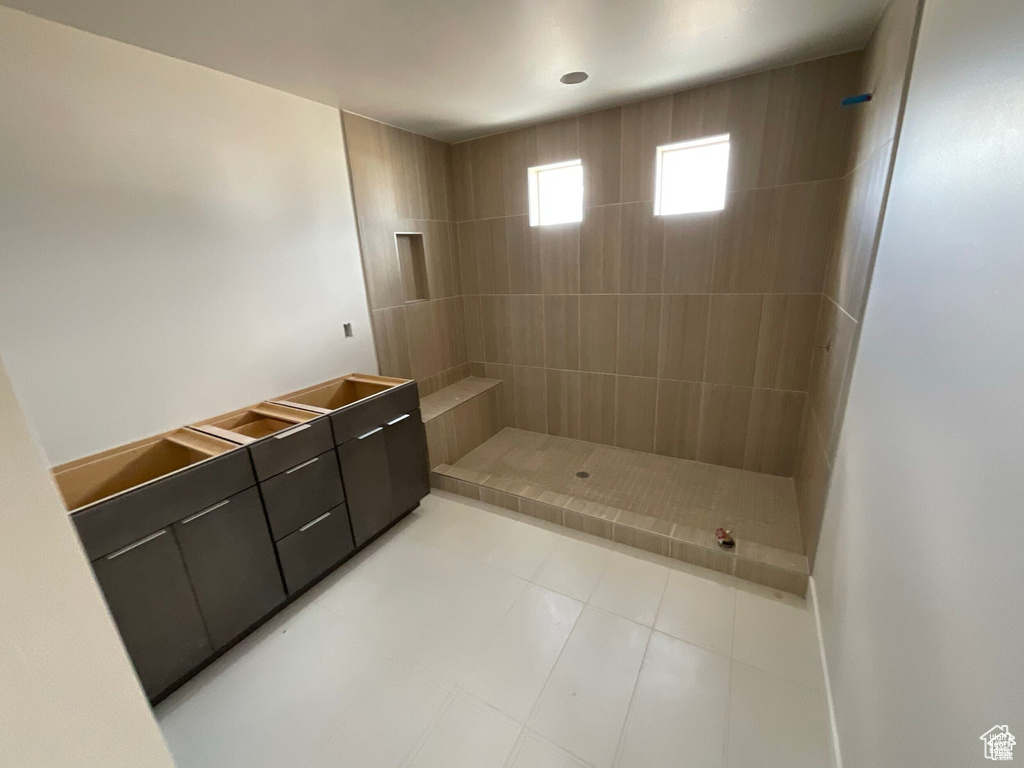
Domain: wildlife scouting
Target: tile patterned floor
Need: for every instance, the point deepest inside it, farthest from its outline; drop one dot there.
(475, 637)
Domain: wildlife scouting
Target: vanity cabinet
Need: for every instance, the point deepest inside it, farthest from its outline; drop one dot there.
(196, 535)
(408, 465)
(150, 597)
(232, 566)
(382, 446)
(364, 467)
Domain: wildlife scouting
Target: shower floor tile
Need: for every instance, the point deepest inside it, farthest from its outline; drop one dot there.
(649, 501)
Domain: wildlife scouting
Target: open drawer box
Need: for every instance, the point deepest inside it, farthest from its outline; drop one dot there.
(356, 403)
(278, 437)
(124, 494)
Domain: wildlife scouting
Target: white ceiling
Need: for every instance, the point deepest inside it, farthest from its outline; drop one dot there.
(455, 69)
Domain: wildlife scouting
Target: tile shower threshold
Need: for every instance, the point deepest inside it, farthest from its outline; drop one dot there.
(522, 471)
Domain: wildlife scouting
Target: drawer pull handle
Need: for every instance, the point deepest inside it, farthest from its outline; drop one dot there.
(314, 460)
(197, 515)
(311, 523)
(400, 418)
(138, 543)
(290, 432)
(371, 432)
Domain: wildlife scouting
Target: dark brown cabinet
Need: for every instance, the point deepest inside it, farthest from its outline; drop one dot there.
(367, 478)
(299, 494)
(149, 594)
(406, 441)
(315, 548)
(198, 534)
(230, 558)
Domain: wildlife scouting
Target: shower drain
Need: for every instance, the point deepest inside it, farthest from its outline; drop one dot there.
(583, 475)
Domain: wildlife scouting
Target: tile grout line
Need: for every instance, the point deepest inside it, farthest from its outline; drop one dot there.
(636, 684)
(620, 744)
(728, 698)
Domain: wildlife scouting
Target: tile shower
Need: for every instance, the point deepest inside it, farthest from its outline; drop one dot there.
(702, 348)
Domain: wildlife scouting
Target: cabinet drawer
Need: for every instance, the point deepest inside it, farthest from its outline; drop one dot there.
(118, 521)
(280, 452)
(360, 417)
(301, 493)
(315, 547)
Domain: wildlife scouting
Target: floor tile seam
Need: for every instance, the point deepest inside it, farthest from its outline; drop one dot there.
(619, 745)
(428, 731)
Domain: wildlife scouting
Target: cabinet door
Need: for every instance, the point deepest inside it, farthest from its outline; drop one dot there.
(149, 595)
(406, 442)
(367, 479)
(230, 559)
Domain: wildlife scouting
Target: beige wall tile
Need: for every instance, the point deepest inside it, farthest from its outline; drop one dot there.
(749, 232)
(392, 342)
(557, 141)
(562, 332)
(441, 200)
(491, 256)
(690, 243)
(683, 337)
(598, 333)
(518, 154)
(421, 329)
(808, 216)
(677, 431)
(829, 378)
(531, 398)
(465, 234)
(597, 408)
(700, 112)
(645, 126)
(462, 181)
(635, 404)
(473, 324)
(407, 173)
(527, 321)
(733, 326)
(380, 263)
(600, 142)
(449, 320)
(485, 155)
(600, 249)
(773, 433)
(504, 373)
(370, 166)
(642, 250)
(496, 328)
(884, 68)
(725, 414)
(850, 268)
(559, 253)
(524, 267)
(786, 340)
(563, 400)
(811, 480)
(639, 323)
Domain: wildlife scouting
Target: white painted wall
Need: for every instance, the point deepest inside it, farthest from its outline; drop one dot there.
(174, 242)
(68, 694)
(920, 566)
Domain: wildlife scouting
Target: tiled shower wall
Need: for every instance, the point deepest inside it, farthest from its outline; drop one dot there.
(402, 182)
(865, 186)
(690, 336)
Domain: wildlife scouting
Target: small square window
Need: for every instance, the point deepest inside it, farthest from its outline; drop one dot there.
(691, 176)
(556, 193)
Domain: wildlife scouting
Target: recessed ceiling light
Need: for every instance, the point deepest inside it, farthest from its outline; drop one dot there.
(572, 78)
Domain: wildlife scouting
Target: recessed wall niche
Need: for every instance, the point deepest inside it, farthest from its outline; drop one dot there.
(412, 262)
